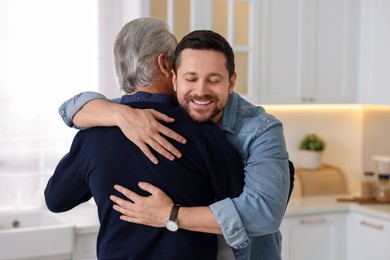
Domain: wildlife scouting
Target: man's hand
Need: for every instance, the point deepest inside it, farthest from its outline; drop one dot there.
(139, 125)
(152, 211)
(143, 129)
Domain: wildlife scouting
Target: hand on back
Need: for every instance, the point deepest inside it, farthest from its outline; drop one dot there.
(142, 128)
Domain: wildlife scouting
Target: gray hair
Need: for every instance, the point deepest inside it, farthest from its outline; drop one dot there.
(136, 49)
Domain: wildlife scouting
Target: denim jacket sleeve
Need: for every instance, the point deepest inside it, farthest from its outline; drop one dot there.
(259, 210)
(70, 107)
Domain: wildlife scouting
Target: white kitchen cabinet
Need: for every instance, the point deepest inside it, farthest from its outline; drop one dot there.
(287, 52)
(374, 76)
(309, 51)
(85, 245)
(368, 237)
(314, 236)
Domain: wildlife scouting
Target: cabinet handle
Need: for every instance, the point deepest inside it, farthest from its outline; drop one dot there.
(307, 99)
(368, 224)
(313, 221)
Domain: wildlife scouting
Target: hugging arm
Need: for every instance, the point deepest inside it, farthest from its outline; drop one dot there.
(257, 211)
(91, 109)
(225, 172)
(154, 209)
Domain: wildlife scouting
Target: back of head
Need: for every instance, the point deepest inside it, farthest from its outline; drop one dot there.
(205, 40)
(135, 51)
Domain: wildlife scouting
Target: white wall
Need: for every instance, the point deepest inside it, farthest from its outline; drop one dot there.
(341, 128)
(376, 130)
(353, 134)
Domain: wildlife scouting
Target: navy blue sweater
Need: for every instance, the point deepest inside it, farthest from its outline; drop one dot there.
(210, 169)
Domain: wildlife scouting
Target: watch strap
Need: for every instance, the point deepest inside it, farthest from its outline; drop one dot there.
(174, 212)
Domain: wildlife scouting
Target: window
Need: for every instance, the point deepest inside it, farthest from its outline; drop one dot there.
(48, 52)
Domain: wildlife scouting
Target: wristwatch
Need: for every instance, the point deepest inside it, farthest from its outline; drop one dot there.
(171, 223)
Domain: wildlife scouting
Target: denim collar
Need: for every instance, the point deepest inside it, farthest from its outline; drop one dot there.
(230, 114)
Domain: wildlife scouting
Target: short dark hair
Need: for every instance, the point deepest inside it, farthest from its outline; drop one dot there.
(205, 40)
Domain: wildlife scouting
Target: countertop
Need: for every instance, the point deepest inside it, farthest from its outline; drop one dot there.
(330, 204)
(85, 218)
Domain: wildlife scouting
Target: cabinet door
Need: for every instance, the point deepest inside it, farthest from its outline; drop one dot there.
(308, 51)
(368, 238)
(85, 246)
(374, 76)
(309, 237)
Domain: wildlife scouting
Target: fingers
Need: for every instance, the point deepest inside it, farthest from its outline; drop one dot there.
(144, 144)
(149, 188)
(126, 215)
(159, 144)
(152, 210)
(142, 128)
(125, 207)
(121, 205)
(129, 194)
(163, 147)
(162, 117)
(171, 134)
(165, 130)
(144, 148)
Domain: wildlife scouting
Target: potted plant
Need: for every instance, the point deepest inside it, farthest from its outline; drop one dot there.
(311, 148)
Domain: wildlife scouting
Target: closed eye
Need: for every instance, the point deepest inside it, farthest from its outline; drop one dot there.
(214, 81)
(191, 79)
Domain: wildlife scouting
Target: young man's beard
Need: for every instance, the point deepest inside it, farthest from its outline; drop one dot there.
(203, 118)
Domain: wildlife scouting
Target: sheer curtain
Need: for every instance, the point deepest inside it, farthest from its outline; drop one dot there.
(48, 53)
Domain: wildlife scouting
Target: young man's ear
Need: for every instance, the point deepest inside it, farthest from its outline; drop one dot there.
(174, 80)
(232, 83)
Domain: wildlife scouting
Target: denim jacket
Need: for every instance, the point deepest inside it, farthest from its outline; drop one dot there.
(70, 107)
(250, 223)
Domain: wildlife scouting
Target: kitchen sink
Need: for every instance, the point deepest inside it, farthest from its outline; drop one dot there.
(37, 234)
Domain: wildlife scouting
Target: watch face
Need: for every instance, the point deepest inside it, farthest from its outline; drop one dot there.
(171, 225)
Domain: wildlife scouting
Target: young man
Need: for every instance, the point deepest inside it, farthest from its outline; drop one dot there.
(204, 80)
(101, 157)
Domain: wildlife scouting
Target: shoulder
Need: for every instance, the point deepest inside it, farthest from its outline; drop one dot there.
(248, 114)
(97, 136)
